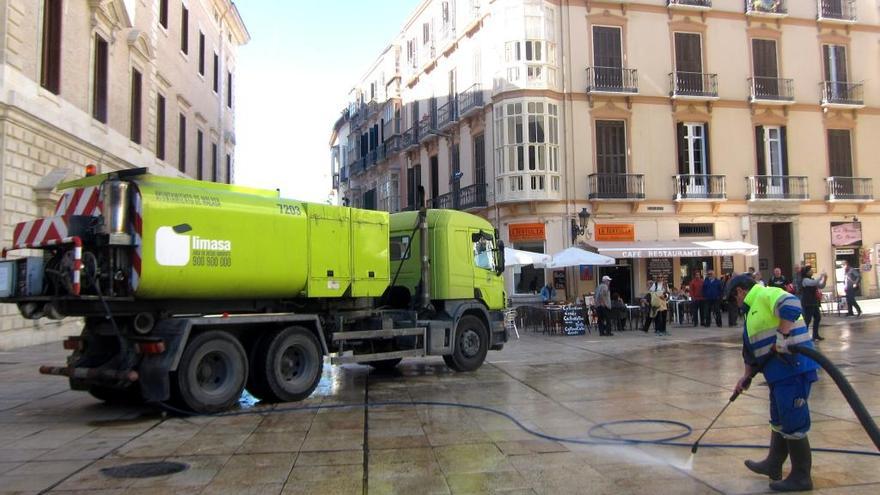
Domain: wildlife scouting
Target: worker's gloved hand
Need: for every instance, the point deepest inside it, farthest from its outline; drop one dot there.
(743, 384)
(782, 343)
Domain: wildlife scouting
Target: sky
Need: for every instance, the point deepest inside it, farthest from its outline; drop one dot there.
(293, 80)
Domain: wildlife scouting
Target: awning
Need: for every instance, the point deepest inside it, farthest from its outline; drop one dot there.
(516, 257)
(575, 256)
(674, 249)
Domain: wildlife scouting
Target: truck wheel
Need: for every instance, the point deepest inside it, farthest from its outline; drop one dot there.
(471, 345)
(385, 364)
(257, 361)
(211, 374)
(290, 364)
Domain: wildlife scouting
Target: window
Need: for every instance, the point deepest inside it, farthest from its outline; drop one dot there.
(184, 30)
(228, 168)
(484, 251)
(201, 53)
(696, 230)
(693, 148)
(765, 68)
(688, 63)
(215, 164)
(229, 89)
(426, 33)
(836, 87)
(99, 80)
(527, 146)
(160, 127)
(136, 97)
(163, 13)
(411, 53)
(479, 159)
(389, 195)
(400, 249)
(369, 200)
(50, 68)
(607, 57)
(413, 183)
(435, 176)
(772, 150)
(200, 152)
(840, 153)
(528, 279)
(181, 144)
(611, 146)
(216, 73)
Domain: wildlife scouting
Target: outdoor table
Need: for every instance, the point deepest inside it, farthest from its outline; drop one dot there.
(634, 314)
(680, 310)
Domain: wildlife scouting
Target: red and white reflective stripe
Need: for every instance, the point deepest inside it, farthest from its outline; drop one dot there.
(38, 233)
(137, 228)
(81, 201)
(77, 261)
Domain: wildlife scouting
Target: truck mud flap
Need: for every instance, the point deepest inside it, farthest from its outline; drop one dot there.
(499, 335)
(155, 369)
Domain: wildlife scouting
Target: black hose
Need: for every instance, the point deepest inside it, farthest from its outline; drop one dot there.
(845, 388)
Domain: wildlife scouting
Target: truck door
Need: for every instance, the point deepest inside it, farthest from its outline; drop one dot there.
(485, 277)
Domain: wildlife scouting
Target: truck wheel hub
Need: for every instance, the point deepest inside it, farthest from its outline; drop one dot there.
(291, 363)
(212, 371)
(470, 343)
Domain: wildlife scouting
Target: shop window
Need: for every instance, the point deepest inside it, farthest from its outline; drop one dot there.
(528, 279)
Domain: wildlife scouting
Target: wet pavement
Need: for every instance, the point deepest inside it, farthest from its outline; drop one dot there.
(53, 440)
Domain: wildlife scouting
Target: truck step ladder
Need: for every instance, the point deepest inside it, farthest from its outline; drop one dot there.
(348, 357)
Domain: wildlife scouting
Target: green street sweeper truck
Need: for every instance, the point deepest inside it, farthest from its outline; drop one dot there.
(193, 291)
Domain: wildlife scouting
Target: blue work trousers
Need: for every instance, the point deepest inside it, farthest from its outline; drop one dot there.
(789, 407)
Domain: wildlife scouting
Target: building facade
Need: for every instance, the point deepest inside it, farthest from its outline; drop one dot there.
(670, 134)
(117, 84)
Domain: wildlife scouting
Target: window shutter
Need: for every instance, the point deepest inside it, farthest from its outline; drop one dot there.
(783, 137)
(759, 149)
(681, 132)
(840, 61)
(706, 147)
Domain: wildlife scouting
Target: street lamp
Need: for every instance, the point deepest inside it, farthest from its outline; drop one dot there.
(579, 227)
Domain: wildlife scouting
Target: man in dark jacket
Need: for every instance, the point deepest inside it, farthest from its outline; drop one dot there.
(778, 279)
(712, 294)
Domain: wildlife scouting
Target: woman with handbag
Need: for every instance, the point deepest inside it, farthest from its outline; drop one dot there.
(811, 298)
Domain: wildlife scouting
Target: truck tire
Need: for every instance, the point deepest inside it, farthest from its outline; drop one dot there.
(385, 364)
(470, 346)
(212, 372)
(289, 363)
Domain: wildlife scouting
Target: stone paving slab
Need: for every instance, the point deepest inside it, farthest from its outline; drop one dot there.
(53, 440)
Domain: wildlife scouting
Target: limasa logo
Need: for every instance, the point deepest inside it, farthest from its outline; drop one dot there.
(173, 247)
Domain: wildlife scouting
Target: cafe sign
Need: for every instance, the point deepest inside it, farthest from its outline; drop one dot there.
(526, 232)
(846, 234)
(625, 232)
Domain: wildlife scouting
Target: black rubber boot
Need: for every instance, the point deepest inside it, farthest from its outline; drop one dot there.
(772, 465)
(799, 479)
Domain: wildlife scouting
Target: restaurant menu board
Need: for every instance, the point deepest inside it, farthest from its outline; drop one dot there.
(573, 318)
(726, 264)
(660, 268)
(810, 259)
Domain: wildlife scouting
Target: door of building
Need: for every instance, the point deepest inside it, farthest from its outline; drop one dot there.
(607, 57)
(621, 279)
(765, 68)
(688, 63)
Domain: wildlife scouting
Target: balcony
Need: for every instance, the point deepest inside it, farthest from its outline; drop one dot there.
(766, 8)
(771, 90)
(447, 114)
(359, 165)
(392, 146)
(470, 101)
(699, 187)
(410, 138)
(849, 189)
(380, 154)
(842, 94)
(371, 157)
(693, 86)
(617, 186)
(776, 188)
(612, 80)
(689, 4)
(466, 198)
(391, 128)
(837, 11)
(428, 127)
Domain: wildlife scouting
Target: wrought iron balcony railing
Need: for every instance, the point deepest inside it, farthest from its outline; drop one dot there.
(471, 100)
(466, 198)
(428, 126)
(849, 189)
(776, 188)
(693, 85)
(699, 187)
(612, 80)
(617, 186)
(692, 4)
(392, 146)
(410, 138)
(771, 89)
(842, 93)
(391, 128)
(766, 7)
(371, 157)
(837, 10)
(447, 114)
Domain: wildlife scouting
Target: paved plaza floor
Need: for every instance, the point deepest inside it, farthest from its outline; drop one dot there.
(53, 440)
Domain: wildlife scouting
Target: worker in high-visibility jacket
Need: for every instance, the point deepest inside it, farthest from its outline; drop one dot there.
(773, 321)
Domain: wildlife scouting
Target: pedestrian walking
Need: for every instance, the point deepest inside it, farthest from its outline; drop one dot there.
(712, 291)
(774, 322)
(811, 298)
(659, 312)
(697, 302)
(852, 278)
(603, 306)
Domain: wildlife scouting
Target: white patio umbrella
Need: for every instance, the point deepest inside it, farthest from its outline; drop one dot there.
(516, 257)
(575, 256)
